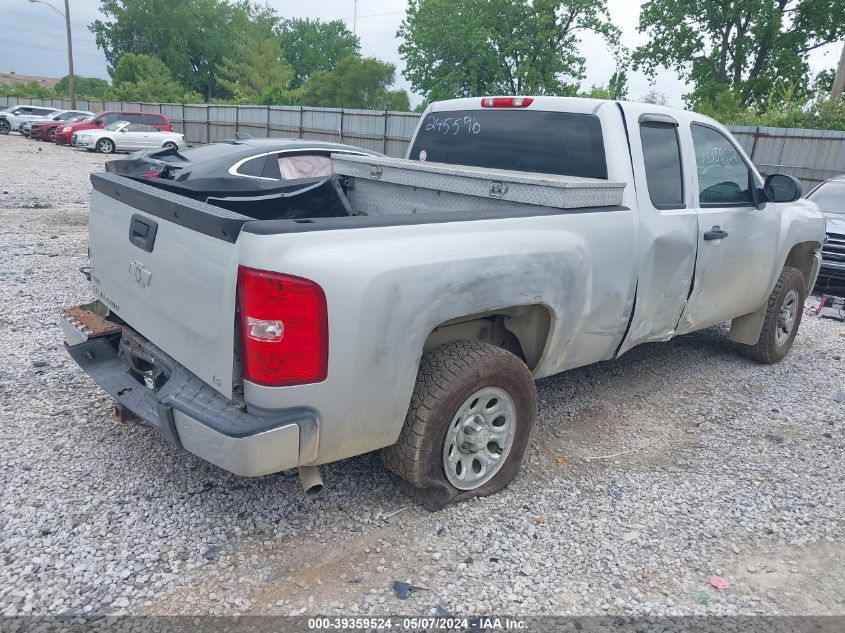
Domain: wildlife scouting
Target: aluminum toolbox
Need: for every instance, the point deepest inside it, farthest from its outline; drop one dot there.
(380, 185)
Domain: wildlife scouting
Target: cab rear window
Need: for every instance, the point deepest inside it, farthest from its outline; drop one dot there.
(522, 140)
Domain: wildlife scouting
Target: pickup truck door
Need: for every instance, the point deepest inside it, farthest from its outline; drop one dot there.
(737, 241)
(667, 225)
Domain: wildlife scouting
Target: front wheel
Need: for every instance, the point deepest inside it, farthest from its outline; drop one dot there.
(783, 316)
(51, 135)
(466, 431)
(105, 146)
(5, 127)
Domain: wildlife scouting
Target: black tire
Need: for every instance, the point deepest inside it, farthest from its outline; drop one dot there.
(51, 135)
(774, 342)
(170, 145)
(448, 376)
(5, 127)
(105, 146)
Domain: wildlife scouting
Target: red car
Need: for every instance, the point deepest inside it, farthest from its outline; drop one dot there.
(47, 131)
(101, 120)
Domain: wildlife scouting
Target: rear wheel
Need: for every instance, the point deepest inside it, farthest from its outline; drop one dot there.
(5, 127)
(783, 316)
(468, 425)
(105, 146)
(170, 145)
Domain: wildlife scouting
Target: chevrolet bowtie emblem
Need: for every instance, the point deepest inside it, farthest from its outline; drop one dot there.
(140, 274)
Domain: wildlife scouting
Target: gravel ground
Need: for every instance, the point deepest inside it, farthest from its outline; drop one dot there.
(721, 466)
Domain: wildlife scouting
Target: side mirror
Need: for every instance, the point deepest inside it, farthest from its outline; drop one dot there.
(783, 188)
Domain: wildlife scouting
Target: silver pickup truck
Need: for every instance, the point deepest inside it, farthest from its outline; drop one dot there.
(409, 305)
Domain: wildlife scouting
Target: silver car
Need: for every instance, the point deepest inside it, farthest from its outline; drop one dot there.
(13, 117)
(124, 136)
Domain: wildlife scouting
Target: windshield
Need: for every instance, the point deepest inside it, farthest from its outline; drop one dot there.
(552, 142)
(830, 196)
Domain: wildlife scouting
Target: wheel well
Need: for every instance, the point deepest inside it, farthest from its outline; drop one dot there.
(522, 330)
(801, 257)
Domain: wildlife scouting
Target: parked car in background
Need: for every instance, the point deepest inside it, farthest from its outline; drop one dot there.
(104, 119)
(122, 136)
(237, 165)
(830, 197)
(30, 128)
(12, 118)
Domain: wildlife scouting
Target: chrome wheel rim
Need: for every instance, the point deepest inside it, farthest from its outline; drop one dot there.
(106, 146)
(787, 317)
(479, 438)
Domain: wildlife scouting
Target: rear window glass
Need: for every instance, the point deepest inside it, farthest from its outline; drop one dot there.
(154, 119)
(522, 140)
(830, 196)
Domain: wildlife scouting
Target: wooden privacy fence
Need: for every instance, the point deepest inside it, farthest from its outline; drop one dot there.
(810, 155)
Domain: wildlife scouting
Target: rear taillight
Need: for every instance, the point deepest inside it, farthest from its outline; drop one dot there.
(151, 174)
(506, 102)
(284, 328)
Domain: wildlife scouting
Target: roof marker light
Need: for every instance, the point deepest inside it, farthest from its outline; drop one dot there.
(506, 102)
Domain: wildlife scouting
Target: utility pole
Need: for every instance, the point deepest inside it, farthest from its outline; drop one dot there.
(355, 19)
(839, 80)
(66, 16)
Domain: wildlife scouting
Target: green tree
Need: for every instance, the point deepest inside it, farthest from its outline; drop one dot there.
(355, 83)
(31, 90)
(310, 46)
(743, 47)
(463, 48)
(255, 73)
(86, 87)
(191, 37)
(145, 78)
(616, 89)
(654, 97)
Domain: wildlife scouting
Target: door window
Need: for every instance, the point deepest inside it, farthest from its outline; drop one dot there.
(663, 170)
(724, 180)
(108, 119)
(153, 119)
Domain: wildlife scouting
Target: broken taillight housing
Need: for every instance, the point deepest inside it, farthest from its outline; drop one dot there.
(284, 328)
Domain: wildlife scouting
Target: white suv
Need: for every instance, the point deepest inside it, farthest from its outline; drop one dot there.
(12, 117)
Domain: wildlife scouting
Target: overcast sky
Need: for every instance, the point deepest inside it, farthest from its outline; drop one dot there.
(32, 39)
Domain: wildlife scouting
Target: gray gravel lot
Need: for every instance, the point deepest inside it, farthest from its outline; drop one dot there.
(727, 468)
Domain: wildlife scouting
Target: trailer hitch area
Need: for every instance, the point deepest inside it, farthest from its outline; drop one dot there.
(143, 365)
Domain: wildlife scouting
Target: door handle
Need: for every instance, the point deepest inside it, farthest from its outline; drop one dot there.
(716, 233)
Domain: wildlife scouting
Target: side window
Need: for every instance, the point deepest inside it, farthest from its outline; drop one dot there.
(43, 111)
(133, 117)
(108, 119)
(724, 180)
(153, 119)
(663, 170)
(252, 167)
